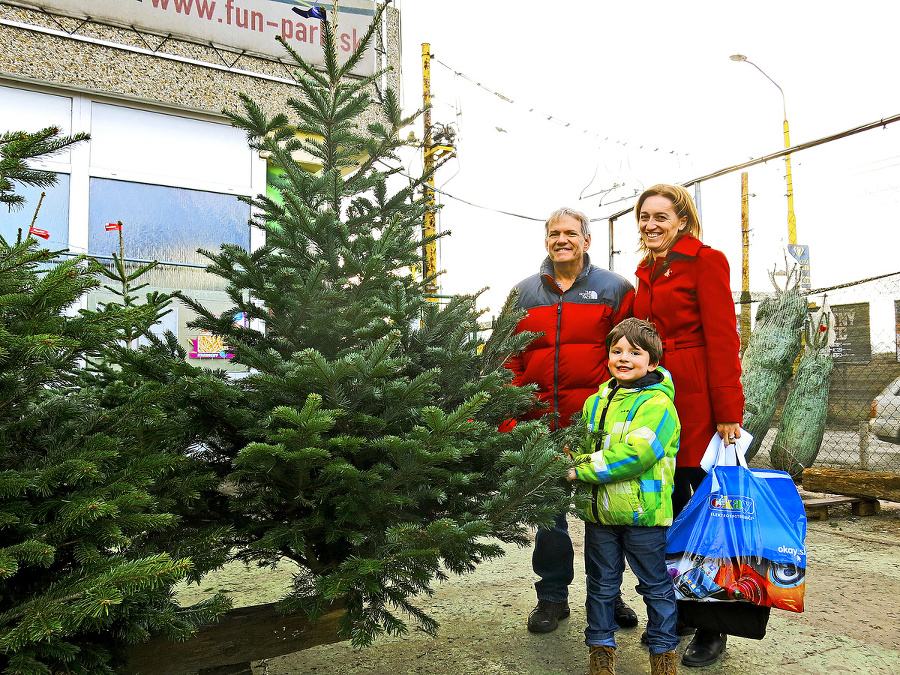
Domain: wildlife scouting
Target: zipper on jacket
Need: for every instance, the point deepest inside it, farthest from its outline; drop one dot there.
(559, 422)
(612, 392)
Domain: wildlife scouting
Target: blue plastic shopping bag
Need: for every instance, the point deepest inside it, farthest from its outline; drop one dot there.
(741, 538)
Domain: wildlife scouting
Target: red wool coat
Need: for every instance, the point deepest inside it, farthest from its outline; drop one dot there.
(688, 297)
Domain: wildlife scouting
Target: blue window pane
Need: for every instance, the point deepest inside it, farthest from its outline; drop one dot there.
(164, 223)
(53, 215)
(169, 225)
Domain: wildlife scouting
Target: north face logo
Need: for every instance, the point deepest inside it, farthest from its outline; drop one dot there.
(589, 295)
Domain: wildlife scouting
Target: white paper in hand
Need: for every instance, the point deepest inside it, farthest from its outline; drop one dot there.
(718, 455)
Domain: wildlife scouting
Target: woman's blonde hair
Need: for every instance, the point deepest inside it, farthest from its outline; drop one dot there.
(684, 208)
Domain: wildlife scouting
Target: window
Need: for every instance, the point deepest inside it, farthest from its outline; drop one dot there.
(53, 215)
(164, 223)
(172, 179)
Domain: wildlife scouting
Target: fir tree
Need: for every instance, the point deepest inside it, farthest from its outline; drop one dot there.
(92, 475)
(16, 148)
(371, 455)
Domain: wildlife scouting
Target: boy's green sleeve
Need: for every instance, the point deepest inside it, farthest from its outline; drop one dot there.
(653, 433)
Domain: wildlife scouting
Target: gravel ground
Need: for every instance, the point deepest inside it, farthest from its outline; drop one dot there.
(851, 624)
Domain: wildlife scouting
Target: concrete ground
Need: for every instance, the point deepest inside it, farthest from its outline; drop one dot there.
(851, 624)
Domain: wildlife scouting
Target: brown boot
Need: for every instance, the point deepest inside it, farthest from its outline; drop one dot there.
(603, 660)
(663, 664)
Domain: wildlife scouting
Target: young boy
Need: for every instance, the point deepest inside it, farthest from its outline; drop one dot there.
(628, 458)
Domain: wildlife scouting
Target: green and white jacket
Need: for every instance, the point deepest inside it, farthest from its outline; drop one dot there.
(628, 454)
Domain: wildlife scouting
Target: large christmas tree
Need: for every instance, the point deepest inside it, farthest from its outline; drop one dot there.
(99, 502)
(371, 455)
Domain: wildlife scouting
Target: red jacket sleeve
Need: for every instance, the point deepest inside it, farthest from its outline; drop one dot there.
(723, 344)
(626, 309)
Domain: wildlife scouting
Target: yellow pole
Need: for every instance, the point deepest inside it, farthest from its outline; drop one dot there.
(429, 267)
(792, 219)
(745, 262)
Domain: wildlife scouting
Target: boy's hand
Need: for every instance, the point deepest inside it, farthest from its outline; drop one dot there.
(572, 475)
(567, 451)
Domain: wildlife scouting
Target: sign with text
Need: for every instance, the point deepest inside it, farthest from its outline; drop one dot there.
(239, 25)
(852, 337)
(800, 253)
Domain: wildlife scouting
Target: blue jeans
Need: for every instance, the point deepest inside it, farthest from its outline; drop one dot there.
(553, 561)
(605, 549)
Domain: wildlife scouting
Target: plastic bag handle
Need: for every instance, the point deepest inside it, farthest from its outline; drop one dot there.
(722, 455)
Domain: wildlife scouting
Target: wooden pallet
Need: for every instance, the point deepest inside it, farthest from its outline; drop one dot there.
(817, 509)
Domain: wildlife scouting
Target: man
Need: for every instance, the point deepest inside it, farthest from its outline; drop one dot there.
(573, 304)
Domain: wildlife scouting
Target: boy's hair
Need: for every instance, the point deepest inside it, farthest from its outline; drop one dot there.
(639, 334)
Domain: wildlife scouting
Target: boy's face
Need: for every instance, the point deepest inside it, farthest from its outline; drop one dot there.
(628, 363)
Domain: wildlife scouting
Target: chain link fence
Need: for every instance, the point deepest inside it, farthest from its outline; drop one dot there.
(846, 193)
(862, 429)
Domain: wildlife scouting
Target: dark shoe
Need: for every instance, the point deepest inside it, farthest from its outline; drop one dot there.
(625, 616)
(704, 650)
(546, 616)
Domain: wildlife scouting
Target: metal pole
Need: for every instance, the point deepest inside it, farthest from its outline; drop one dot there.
(429, 254)
(792, 219)
(698, 202)
(864, 445)
(745, 262)
(880, 124)
(612, 251)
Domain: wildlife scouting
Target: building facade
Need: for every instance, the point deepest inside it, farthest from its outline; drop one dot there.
(149, 79)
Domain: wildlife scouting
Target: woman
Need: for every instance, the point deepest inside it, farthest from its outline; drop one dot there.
(683, 288)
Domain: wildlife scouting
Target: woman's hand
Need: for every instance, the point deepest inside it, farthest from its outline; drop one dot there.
(729, 431)
(572, 475)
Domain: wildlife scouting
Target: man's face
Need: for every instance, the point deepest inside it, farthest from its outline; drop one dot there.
(564, 242)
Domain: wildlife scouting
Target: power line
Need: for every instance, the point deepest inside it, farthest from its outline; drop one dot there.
(549, 117)
(781, 153)
(487, 208)
(460, 199)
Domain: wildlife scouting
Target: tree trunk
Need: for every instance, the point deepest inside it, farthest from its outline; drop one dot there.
(242, 635)
(853, 483)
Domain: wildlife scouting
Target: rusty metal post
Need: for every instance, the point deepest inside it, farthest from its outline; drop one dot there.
(745, 262)
(612, 251)
(429, 253)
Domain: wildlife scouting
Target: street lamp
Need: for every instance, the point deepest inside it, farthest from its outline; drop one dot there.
(792, 220)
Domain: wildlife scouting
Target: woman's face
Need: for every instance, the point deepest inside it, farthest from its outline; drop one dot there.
(659, 224)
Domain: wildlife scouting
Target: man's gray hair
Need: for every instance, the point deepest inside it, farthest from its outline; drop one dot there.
(572, 213)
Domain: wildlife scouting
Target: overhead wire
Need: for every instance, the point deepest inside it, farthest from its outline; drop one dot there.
(460, 199)
(546, 116)
(558, 121)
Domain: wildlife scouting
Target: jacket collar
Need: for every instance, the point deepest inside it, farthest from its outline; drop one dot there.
(648, 380)
(549, 278)
(686, 247)
(659, 379)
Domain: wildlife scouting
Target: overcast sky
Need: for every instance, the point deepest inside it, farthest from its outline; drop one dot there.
(635, 93)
